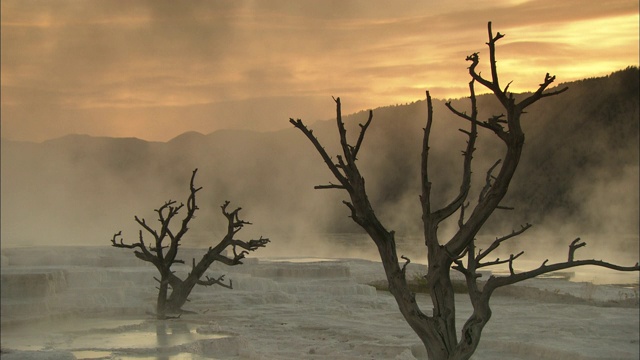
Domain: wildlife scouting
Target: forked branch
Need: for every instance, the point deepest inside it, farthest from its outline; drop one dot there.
(548, 80)
(465, 186)
(143, 254)
(234, 225)
(215, 281)
(323, 153)
(499, 241)
(487, 181)
(363, 130)
(495, 282)
(575, 244)
(498, 261)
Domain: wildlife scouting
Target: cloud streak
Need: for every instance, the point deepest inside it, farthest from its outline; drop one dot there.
(122, 68)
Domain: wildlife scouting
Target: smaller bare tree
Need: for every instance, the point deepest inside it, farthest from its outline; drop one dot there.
(163, 253)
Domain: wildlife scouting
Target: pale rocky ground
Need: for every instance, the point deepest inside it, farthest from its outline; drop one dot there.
(94, 303)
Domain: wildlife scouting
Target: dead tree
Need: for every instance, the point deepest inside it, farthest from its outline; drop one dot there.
(438, 330)
(163, 251)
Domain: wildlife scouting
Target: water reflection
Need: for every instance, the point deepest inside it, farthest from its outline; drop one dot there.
(171, 333)
(109, 338)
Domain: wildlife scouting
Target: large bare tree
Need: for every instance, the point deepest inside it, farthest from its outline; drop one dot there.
(437, 330)
(163, 251)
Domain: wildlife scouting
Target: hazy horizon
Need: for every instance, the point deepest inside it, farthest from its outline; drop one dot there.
(286, 124)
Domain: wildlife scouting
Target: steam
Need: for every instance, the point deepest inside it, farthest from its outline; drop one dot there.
(80, 190)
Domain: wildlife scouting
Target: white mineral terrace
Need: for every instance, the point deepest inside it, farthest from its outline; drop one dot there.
(95, 303)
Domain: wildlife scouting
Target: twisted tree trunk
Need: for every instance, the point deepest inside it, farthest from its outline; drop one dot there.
(438, 330)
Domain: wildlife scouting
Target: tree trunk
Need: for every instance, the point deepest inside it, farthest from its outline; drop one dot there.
(161, 305)
(437, 333)
(444, 313)
(179, 296)
(181, 289)
(471, 332)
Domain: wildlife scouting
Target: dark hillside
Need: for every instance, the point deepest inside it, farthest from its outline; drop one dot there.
(588, 134)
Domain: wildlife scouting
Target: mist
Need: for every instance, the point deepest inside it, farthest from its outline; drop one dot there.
(578, 177)
(66, 293)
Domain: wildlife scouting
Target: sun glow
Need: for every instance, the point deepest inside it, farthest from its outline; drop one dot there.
(578, 49)
(61, 74)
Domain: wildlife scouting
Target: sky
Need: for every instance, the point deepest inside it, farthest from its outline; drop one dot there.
(154, 69)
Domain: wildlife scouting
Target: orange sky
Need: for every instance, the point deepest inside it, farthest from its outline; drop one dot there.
(154, 69)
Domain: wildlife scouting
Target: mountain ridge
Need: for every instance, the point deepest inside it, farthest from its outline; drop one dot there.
(363, 111)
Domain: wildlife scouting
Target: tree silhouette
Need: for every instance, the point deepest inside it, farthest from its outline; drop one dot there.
(164, 250)
(438, 329)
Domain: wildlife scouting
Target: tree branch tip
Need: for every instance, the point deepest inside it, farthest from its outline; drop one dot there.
(505, 207)
(407, 261)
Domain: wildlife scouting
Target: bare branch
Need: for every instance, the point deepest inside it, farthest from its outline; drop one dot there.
(492, 58)
(460, 267)
(347, 150)
(475, 60)
(544, 269)
(498, 241)
(511, 258)
(144, 254)
(327, 159)
(496, 282)
(498, 261)
(461, 218)
(454, 205)
(487, 184)
(330, 186)
(575, 244)
(234, 223)
(506, 88)
(407, 261)
(251, 245)
(425, 198)
(548, 80)
(144, 225)
(363, 129)
(213, 281)
(464, 115)
(500, 207)
(192, 207)
(121, 244)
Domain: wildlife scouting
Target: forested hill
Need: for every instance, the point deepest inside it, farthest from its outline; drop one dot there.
(579, 169)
